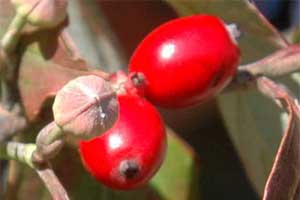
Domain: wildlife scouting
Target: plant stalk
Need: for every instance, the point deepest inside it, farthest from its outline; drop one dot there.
(52, 183)
(279, 63)
(18, 151)
(11, 37)
(49, 141)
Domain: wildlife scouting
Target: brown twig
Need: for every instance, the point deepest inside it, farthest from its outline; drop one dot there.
(52, 183)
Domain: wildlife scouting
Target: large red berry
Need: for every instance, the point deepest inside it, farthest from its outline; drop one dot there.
(128, 155)
(186, 60)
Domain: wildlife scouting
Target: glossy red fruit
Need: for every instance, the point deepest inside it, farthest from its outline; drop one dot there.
(128, 155)
(186, 60)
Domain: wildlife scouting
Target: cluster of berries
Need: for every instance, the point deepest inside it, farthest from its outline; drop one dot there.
(181, 63)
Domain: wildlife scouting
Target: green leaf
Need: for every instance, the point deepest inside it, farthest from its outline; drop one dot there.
(179, 172)
(254, 123)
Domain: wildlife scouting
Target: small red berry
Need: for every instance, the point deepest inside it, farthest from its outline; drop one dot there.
(127, 155)
(186, 60)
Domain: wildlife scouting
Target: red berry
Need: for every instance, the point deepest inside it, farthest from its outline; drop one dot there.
(186, 60)
(127, 155)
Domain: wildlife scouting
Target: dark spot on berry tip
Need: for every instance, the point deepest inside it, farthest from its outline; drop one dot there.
(129, 169)
(138, 79)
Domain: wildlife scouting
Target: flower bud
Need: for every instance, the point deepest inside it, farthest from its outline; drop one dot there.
(86, 106)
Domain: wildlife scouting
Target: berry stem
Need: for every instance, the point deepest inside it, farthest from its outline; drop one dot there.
(7, 46)
(282, 62)
(24, 153)
(55, 134)
(18, 151)
(49, 141)
(52, 183)
(11, 37)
